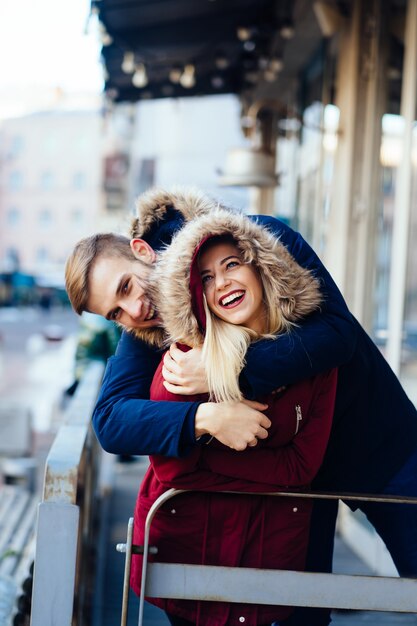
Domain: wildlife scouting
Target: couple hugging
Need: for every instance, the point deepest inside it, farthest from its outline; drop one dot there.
(247, 396)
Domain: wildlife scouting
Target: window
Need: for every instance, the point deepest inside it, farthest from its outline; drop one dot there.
(45, 218)
(16, 180)
(16, 146)
(50, 144)
(13, 217)
(77, 216)
(12, 260)
(47, 181)
(42, 255)
(78, 181)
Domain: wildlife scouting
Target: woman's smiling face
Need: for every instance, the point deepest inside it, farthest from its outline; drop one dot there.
(233, 289)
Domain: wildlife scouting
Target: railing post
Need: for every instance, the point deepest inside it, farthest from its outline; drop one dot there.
(55, 564)
(63, 537)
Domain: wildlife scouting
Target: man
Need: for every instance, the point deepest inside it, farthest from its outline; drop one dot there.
(373, 446)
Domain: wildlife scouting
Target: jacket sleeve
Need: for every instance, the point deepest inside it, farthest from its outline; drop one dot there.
(324, 340)
(188, 473)
(258, 469)
(295, 464)
(126, 421)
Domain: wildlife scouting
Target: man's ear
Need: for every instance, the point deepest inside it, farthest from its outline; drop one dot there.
(142, 250)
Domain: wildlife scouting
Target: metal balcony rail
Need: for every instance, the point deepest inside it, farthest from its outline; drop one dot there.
(262, 586)
(64, 525)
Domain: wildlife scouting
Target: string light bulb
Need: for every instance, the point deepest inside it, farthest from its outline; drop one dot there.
(263, 62)
(287, 30)
(128, 63)
(187, 79)
(276, 64)
(243, 33)
(221, 61)
(105, 38)
(140, 77)
(175, 74)
(270, 76)
(217, 82)
(249, 45)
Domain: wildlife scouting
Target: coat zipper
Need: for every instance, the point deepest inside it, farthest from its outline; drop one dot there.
(299, 417)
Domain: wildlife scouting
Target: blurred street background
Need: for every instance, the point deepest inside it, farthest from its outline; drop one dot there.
(37, 351)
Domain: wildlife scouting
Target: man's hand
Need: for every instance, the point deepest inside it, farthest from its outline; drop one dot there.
(235, 424)
(184, 372)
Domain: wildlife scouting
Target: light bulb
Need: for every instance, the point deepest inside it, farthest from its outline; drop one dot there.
(105, 38)
(276, 64)
(175, 74)
(217, 82)
(140, 78)
(221, 61)
(287, 30)
(187, 79)
(269, 76)
(249, 45)
(243, 33)
(263, 63)
(128, 64)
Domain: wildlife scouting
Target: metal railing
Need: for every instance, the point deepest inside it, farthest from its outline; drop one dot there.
(64, 542)
(263, 586)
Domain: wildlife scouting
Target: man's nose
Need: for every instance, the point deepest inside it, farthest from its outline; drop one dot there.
(133, 308)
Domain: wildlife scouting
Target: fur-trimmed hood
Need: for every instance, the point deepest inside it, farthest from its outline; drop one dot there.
(161, 213)
(297, 291)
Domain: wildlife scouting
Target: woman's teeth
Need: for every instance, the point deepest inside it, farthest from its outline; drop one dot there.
(231, 298)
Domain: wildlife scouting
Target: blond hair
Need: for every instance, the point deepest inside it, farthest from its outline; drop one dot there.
(82, 259)
(224, 349)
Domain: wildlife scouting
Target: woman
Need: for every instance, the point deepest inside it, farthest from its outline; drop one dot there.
(223, 283)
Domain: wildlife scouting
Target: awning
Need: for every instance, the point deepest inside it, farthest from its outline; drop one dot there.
(179, 48)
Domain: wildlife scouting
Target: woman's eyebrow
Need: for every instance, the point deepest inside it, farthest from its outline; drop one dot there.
(222, 262)
(231, 256)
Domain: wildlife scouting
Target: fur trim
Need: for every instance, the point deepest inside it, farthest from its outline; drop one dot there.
(297, 291)
(156, 336)
(152, 206)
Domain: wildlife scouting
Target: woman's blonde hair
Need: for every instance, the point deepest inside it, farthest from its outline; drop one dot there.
(225, 344)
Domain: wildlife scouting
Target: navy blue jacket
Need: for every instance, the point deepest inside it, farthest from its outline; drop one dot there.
(375, 424)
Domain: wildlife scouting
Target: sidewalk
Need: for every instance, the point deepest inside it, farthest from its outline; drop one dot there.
(107, 599)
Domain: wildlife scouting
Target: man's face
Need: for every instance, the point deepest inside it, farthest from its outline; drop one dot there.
(117, 291)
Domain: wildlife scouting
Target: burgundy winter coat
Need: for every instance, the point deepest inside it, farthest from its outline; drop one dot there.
(239, 530)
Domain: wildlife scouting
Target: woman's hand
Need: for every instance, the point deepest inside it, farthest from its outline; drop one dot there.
(184, 372)
(235, 424)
